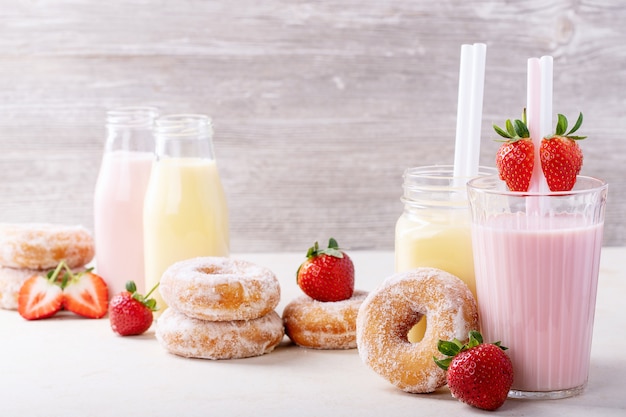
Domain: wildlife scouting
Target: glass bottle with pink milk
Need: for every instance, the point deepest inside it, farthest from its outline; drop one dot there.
(185, 211)
(119, 196)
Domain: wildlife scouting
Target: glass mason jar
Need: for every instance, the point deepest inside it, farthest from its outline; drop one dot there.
(119, 196)
(434, 228)
(185, 211)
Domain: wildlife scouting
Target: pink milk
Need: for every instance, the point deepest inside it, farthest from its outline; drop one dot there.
(536, 286)
(118, 221)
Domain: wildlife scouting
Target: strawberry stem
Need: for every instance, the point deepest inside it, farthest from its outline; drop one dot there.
(53, 275)
(152, 290)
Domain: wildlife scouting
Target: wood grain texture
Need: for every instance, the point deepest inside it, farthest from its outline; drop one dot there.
(318, 106)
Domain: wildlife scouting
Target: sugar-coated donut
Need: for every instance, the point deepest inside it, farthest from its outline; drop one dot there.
(323, 325)
(192, 338)
(11, 280)
(389, 312)
(44, 245)
(220, 289)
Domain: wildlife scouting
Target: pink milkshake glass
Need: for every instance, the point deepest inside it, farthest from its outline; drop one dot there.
(536, 259)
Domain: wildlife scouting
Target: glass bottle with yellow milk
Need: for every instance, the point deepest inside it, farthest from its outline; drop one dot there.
(185, 211)
(434, 228)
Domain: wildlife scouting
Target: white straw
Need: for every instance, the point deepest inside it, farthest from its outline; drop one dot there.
(476, 110)
(546, 109)
(469, 110)
(533, 116)
(462, 114)
(546, 96)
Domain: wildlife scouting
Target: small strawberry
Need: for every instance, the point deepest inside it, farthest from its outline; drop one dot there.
(40, 296)
(327, 274)
(130, 313)
(560, 155)
(478, 374)
(86, 294)
(515, 158)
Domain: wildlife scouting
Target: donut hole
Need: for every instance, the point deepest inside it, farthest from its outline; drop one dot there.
(416, 333)
(232, 294)
(209, 270)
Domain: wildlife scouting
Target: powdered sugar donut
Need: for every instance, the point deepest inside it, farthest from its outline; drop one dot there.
(388, 313)
(43, 245)
(193, 338)
(11, 280)
(220, 289)
(323, 325)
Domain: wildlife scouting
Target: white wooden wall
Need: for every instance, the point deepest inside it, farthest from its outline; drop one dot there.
(318, 106)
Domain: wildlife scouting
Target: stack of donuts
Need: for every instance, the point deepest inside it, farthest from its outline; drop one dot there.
(219, 308)
(27, 249)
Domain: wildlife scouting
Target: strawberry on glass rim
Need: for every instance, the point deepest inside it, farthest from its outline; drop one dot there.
(327, 274)
(515, 158)
(560, 156)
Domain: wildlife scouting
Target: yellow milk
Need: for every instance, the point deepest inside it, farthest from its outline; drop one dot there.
(446, 245)
(434, 228)
(185, 215)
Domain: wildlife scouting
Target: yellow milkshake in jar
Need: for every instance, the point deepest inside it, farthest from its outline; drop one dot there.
(185, 211)
(434, 228)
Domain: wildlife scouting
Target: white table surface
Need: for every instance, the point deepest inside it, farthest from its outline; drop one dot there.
(68, 366)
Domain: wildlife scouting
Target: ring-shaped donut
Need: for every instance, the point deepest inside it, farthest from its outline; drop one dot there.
(11, 280)
(220, 289)
(193, 338)
(323, 325)
(44, 245)
(389, 312)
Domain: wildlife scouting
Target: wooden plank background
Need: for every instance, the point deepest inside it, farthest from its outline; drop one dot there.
(318, 106)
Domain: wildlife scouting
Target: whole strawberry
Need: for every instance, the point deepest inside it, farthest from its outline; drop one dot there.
(560, 155)
(130, 313)
(327, 274)
(478, 374)
(515, 158)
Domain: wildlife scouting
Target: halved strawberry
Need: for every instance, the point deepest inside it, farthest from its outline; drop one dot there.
(86, 294)
(40, 296)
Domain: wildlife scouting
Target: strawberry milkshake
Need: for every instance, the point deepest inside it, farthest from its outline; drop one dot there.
(537, 261)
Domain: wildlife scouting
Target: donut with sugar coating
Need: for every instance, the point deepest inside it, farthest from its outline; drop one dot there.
(220, 289)
(323, 325)
(389, 312)
(192, 338)
(44, 245)
(11, 280)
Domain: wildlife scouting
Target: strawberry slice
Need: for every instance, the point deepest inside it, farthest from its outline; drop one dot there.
(40, 296)
(86, 294)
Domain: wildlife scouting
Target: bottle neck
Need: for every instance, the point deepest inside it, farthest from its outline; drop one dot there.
(432, 187)
(131, 129)
(184, 136)
(436, 187)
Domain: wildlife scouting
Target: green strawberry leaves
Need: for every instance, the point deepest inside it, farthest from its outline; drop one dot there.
(454, 347)
(561, 127)
(515, 130)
